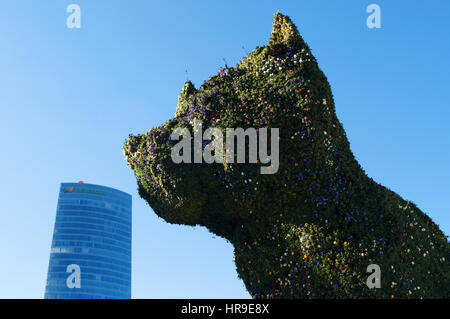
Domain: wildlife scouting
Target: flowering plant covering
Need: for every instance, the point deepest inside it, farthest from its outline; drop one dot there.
(312, 229)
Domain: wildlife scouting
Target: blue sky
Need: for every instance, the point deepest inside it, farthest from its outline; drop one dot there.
(69, 98)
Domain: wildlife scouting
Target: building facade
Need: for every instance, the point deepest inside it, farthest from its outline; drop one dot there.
(90, 254)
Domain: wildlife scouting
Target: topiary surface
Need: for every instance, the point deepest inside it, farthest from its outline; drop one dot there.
(311, 229)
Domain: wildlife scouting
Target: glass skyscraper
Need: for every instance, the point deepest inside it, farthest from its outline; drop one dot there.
(90, 255)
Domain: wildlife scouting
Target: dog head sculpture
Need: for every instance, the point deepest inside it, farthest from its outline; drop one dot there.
(311, 226)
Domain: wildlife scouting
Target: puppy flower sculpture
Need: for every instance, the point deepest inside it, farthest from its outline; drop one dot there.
(313, 228)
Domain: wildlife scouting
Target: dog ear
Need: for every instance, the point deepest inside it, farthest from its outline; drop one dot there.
(183, 104)
(284, 32)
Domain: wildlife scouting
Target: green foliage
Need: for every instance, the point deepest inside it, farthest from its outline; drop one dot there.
(311, 229)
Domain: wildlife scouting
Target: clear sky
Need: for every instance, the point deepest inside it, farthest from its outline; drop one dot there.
(70, 97)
